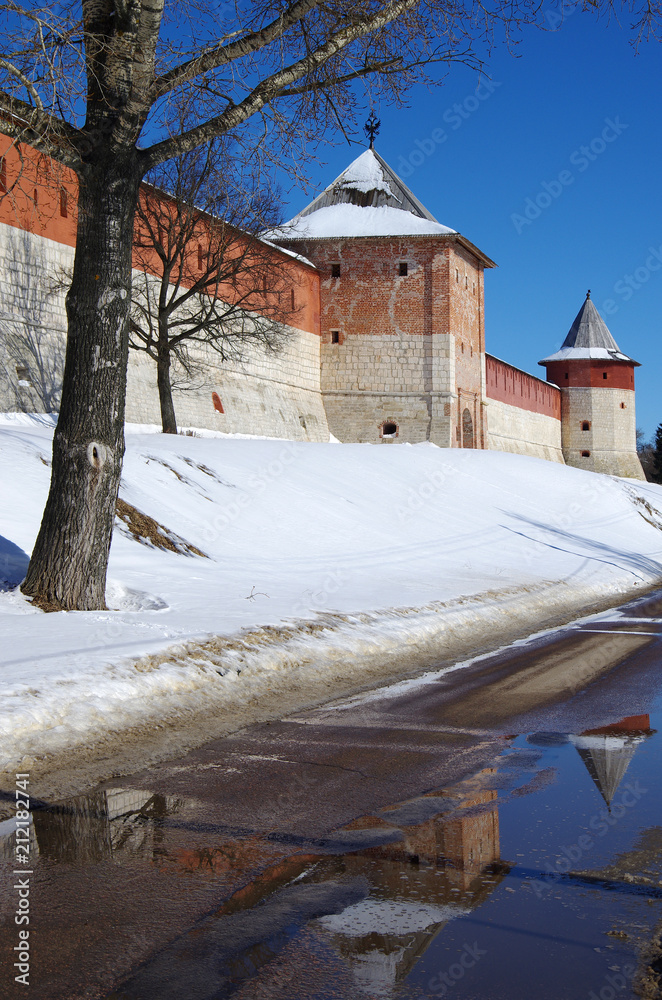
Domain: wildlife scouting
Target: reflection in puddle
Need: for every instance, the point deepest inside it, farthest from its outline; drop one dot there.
(607, 752)
(376, 909)
(108, 823)
(384, 905)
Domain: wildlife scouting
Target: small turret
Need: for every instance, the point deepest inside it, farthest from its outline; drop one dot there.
(597, 398)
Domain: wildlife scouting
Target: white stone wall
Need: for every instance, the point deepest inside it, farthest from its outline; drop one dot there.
(33, 323)
(360, 416)
(277, 395)
(523, 432)
(611, 437)
(370, 379)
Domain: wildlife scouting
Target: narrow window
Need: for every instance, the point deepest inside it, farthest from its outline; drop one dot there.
(335, 270)
(586, 454)
(462, 346)
(335, 336)
(23, 375)
(566, 375)
(466, 281)
(389, 429)
(3, 174)
(293, 301)
(35, 197)
(474, 287)
(604, 374)
(199, 257)
(403, 269)
(457, 274)
(586, 425)
(622, 406)
(63, 203)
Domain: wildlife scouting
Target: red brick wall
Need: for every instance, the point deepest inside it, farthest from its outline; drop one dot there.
(33, 201)
(620, 374)
(510, 385)
(370, 297)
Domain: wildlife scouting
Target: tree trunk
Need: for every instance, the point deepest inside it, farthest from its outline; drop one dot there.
(168, 419)
(70, 557)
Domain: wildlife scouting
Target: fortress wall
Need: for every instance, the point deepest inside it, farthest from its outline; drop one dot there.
(511, 385)
(523, 412)
(523, 432)
(276, 395)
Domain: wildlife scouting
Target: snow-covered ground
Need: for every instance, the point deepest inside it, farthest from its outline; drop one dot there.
(395, 555)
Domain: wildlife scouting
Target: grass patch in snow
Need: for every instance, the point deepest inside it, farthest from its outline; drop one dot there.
(147, 531)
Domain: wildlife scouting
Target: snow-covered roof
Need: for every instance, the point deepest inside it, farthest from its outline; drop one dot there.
(588, 339)
(354, 220)
(366, 199)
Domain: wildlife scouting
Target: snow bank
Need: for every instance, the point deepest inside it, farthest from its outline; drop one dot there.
(324, 567)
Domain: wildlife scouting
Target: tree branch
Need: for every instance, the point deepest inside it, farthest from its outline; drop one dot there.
(220, 55)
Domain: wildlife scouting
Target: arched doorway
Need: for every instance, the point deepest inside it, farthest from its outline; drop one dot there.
(467, 429)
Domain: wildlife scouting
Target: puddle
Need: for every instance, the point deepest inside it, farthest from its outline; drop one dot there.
(538, 875)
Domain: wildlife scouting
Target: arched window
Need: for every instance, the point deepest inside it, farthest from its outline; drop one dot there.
(467, 429)
(389, 429)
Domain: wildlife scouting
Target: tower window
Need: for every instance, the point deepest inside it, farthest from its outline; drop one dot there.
(586, 454)
(566, 375)
(604, 374)
(293, 301)
(23, 375)
(586, 425)
(335, 336)
(389, 429)
(466, 281)
(403, 268)
(457, 274)
(63, 203)
(335, 270)
(3, 174)
(199, 257)
(623, 406)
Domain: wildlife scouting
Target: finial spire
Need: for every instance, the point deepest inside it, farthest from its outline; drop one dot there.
(371, 128)
(588, 294)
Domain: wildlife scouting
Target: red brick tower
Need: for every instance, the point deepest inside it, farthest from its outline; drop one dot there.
(597, 398)
(402, 314)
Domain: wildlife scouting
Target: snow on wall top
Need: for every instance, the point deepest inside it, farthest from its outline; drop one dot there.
(366, 199)
(588, 338)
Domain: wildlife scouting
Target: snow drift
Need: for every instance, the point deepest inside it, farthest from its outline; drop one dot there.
(244, 568)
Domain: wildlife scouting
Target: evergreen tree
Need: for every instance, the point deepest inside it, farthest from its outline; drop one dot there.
(657, 456)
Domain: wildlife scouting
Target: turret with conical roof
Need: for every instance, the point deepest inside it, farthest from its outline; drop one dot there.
(597, 397)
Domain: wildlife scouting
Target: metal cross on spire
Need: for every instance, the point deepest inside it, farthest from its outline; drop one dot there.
(371, 128)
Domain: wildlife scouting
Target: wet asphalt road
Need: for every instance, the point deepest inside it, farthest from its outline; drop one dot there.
(124, 876)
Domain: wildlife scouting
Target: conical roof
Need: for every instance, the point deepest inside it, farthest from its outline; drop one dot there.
(607, 758)
(588, 337)
(366, 199)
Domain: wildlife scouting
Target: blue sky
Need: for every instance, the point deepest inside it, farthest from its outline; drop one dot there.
(598, 227)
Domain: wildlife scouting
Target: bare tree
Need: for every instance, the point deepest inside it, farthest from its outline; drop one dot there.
(94, 84)
(208, 285)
